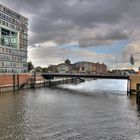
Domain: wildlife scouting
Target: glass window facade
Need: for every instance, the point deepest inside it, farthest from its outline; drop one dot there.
(8, 38)
(13, 41)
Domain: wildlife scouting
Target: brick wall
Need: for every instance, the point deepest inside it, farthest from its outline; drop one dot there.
(7, 79)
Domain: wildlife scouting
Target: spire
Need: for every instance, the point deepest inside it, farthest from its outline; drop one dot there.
(132, 60)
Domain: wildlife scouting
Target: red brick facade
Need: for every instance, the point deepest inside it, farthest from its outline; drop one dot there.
(7, 79)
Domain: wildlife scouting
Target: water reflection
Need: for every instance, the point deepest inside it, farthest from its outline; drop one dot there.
(138, 110)
(103, 85)
(11, 116)
(70, 112)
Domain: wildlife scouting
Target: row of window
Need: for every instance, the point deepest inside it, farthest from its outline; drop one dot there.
(23, 42)
(12, 26)
(9, 42)
(23, 36)
(9, 39)
(23, 48)
(9, 70)
(13, 14)
(12, 58)
(13, 52)
(12, 20)
(5, 64)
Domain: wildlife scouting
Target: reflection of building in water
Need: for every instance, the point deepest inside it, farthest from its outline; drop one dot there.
(13, 41)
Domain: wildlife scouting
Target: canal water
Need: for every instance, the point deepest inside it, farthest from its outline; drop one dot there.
(94, 110)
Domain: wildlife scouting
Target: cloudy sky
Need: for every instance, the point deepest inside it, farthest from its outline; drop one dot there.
(105, 31)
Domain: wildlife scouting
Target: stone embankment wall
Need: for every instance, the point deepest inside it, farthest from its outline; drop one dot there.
(135, 79)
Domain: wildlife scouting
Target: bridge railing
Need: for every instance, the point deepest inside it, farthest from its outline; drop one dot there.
(84, 75)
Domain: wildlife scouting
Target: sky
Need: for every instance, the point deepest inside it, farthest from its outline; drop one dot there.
(105, 31)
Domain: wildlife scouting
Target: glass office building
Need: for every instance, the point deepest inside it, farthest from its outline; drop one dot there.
(13, 41)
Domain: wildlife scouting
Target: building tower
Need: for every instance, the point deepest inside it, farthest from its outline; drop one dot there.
(13, 41)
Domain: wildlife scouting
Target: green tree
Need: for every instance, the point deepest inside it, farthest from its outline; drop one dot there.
(30, 66)
(44, 70)
(67, 61)
(52, 68)
(38, 69)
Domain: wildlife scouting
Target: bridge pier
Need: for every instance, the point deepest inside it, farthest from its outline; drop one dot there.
(135, 79)
(129, 87)
(138, 94)
(33, 81)
(44, 82)
(18, 81)
(14, 82)
(50, 83)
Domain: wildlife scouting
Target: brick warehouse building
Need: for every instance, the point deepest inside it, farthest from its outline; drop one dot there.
(13, 41)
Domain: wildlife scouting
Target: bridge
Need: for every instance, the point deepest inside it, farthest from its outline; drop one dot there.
(50, 76)
(94, 76)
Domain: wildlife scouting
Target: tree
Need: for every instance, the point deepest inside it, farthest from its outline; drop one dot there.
(67, 61)
(52, 68)
(30, 66)
(44, 70)
(38, 69)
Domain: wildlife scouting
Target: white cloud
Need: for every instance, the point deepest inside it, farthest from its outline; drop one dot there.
(53, 55)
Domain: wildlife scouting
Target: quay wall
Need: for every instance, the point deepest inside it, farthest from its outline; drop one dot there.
(13, 82)
(8, 79)
(135, 79)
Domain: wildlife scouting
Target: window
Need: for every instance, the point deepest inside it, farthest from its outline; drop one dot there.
(3, 22)
(8, 38)
(6, 23)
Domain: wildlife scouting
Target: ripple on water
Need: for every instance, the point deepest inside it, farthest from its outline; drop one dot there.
(61, 114)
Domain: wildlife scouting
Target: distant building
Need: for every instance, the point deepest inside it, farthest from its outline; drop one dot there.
(75, 69)
(84, 67)
(13, 41)
(139, 71)
(64, 68)
(123, 72)
(81, 67)
(89, 67)
(101, 68)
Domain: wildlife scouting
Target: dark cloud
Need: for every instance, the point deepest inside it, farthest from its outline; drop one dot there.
(113, 35)
(49, 19)
(89, 23)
